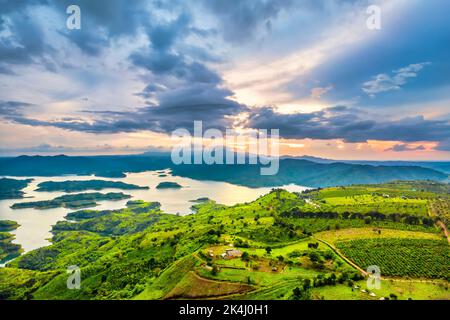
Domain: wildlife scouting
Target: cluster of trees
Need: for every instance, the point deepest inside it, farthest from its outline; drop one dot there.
(367, 217)
(303, 292)
(332, 279)
(239, 243)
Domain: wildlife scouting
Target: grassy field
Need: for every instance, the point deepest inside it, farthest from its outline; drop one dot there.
(335, 236)
(402, 290)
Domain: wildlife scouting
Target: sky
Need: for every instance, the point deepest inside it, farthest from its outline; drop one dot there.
(138, 70)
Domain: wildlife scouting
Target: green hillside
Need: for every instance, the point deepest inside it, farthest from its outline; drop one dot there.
(313, 245)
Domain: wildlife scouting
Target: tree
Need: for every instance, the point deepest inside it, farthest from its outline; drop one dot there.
(314, 256)
(301, 294)
(393, 296)
(296, 293)
(245, 256)
(306, 284)
(268, 250)
(215, 270)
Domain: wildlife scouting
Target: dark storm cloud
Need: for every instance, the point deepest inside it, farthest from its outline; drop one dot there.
(212, 106)
(25, 42)
(184, 87)
(351, 125)
(162, 57)
(443, 145)
(240, 19)
(170, 64)
(198, 92)
(103, 21)
(12, 108)
(405, 147)
(179, 109)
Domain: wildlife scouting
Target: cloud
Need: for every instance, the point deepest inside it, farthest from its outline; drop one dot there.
(13, 108)
(42, 148)
(318, 92)
(166, 62)
(21, 36)
(181, 107)
(185, 88)
(405, 147)
(443, 145)
(412, 32)
(240, 20)
(383, 82)
(103, 21)
(106, 148)
(178, 108)
(349, 124)
(179, 87)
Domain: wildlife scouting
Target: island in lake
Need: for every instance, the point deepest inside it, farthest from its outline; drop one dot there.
(8, 225)
(111, 174)
(77, 186)
(168, 185)
(200, 200)
(73, 201)
(8, 250)
(12, 188)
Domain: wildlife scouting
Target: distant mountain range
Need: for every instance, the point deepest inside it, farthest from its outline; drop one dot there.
(307, 171)
(443, 166)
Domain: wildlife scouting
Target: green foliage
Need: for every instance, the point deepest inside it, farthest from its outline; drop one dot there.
(74, 201)
(8, 225)
(168, 185)
(82, 185)
(8, 250)
(11, 188)
(401, 257)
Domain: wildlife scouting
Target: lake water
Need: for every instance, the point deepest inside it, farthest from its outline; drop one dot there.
(35, 225)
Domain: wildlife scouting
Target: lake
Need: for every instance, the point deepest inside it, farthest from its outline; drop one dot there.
(35, 225)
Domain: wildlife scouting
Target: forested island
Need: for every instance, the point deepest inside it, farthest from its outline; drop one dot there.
(8, 225)
(168, 185)
(77, 186)
(73, 201)
(12, 188)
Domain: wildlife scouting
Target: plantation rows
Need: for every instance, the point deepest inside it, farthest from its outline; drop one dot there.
(401, 257)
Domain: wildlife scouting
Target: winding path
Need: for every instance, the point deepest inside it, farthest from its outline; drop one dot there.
(444, 229)
(350, 262)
